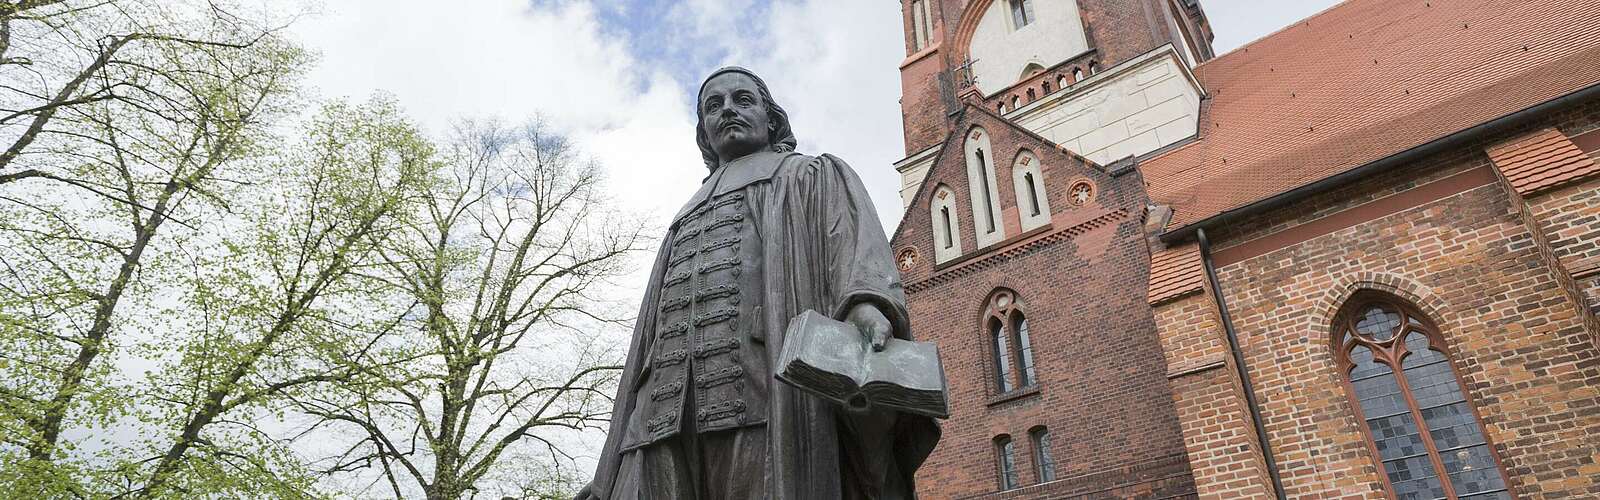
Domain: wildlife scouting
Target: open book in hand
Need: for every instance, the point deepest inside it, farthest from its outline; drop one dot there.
(833, 360)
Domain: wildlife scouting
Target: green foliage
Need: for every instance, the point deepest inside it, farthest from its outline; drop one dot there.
(200, 298)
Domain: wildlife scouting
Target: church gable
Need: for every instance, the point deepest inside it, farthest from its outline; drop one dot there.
(995, 185)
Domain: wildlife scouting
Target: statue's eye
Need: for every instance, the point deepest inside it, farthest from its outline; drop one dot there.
(746, 100)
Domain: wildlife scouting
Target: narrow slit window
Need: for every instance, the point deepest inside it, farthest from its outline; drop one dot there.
(988, 202)
(949, 236)
(1033, 192)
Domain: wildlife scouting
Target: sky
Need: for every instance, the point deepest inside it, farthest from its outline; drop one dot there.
(620, 77)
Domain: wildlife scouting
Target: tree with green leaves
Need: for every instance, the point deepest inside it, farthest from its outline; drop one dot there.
(123, 123)
(508, 346)
(283, 304)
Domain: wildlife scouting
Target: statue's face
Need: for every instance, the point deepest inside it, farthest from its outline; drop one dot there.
(734, 116)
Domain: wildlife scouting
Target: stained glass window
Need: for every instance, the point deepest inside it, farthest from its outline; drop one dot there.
(1419, 421)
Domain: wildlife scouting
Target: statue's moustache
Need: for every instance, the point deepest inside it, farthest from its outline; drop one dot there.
(731, 122)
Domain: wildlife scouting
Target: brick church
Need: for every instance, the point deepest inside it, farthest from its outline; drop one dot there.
(1357, 258)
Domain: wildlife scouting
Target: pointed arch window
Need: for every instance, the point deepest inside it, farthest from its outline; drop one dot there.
(988, 201)
(1006, 459)
(946, 227)
(1420, 425)
(1032, 207)
(1006, 328)
(981, 185)
(1044, 466)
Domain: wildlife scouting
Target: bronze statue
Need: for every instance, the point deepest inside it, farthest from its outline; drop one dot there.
(770, 234)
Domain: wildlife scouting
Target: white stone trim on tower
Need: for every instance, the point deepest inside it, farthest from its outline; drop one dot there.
(1131, 109)
(913, 169)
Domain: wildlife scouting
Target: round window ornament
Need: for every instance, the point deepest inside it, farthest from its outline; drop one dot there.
(1081, 193)
(907, 258)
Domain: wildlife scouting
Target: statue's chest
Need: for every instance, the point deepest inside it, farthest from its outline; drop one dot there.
(706, 318)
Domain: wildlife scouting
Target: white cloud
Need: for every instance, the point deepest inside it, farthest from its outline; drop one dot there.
(508, 60)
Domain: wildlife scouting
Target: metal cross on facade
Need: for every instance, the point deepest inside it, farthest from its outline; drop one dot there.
(964, 76)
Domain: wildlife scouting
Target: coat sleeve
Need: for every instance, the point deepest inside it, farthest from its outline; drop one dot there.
(634, 369)
(856, 251)
(885, 449)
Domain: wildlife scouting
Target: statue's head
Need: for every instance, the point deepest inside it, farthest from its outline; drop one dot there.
(738, 117)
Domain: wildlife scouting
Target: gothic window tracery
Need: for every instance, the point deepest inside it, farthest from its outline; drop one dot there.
(1006, 327)
(1418, 422)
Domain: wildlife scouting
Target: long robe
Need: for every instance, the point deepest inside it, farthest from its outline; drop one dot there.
(823, 249)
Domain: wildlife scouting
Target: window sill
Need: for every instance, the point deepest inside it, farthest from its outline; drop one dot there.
(1016, 394)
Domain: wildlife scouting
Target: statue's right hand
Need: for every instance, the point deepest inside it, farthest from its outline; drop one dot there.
(586, 493)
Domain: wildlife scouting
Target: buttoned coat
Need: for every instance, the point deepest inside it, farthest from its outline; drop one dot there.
(819, 246)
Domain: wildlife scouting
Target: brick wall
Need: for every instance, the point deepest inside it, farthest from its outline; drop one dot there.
(1102, 389)
(1479, 263)
(1217, 429)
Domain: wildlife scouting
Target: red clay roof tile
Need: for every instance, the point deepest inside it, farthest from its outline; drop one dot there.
(1365, 80)
(1541, 160)
(1175, 272)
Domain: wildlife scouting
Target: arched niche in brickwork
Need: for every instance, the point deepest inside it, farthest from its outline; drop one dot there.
(983, 188)
(943, 211)
(1027, 178)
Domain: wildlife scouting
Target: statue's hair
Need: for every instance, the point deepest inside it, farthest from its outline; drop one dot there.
(778, 132)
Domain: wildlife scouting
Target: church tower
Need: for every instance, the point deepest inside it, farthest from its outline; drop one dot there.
(1100, 77)
(1023, 247)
